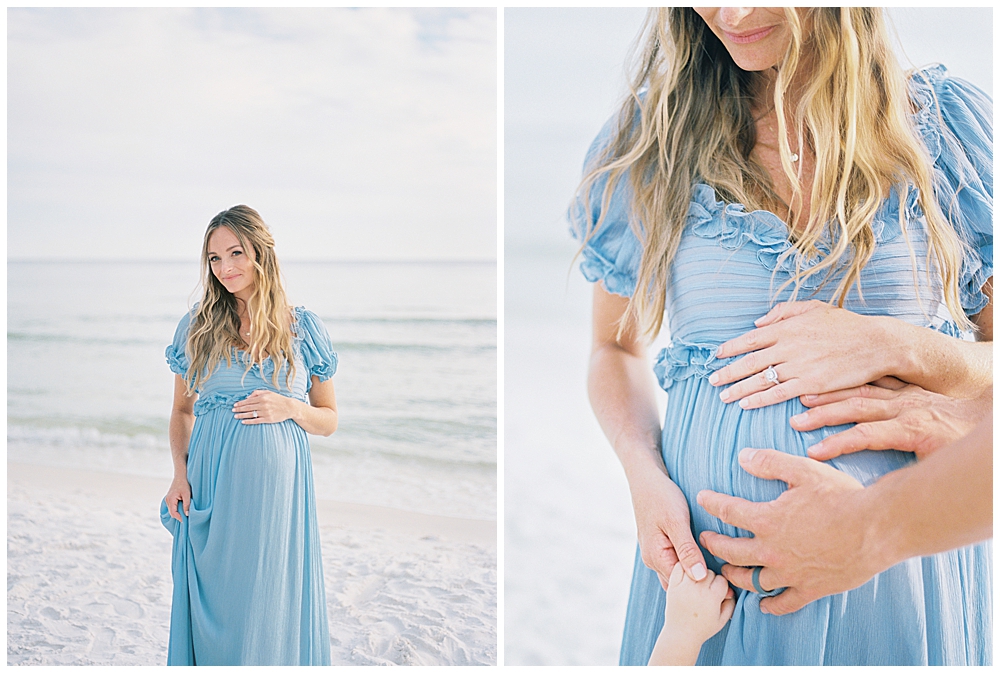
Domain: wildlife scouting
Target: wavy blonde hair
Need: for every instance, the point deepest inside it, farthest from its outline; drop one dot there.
(215, 328)
(695, 122)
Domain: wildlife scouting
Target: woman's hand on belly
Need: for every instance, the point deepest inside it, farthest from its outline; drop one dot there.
(264, 406)
(890, 415)
(813, 348)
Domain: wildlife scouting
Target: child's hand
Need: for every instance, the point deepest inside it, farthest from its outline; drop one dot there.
(697, 610)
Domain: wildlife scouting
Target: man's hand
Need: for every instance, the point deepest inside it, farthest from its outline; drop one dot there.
(903, 417)
(808, 539)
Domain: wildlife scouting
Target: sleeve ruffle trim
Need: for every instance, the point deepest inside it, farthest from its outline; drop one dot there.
(177, 360)
(955, 121)
(314, 343)
(595, 267)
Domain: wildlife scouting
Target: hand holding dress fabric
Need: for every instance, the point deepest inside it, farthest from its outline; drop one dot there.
(810, 346)
(906, 418)
(805, 540)
(179, 492)
(663, 525)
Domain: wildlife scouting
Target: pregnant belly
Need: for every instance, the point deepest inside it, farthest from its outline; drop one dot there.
(702, 438)
(226, 454)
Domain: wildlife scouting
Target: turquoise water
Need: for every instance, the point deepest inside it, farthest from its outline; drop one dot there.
(416, 389)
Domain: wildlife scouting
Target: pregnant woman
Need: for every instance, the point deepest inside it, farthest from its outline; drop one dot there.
(766, 156)
(253, 377)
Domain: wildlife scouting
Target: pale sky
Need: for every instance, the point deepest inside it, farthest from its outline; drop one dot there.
(357, 134)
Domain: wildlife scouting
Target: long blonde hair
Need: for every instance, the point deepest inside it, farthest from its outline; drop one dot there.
(215, 328)
(695, 123)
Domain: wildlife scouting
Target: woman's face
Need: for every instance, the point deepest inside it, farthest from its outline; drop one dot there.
(756, 37)
(230, 263)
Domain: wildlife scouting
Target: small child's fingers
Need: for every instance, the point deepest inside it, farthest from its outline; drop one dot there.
(717, 587)
(728, 607)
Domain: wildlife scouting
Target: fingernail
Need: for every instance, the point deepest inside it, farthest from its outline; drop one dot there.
(765, 610)
(798, 418)
(744, 403)
(714, 378)
(698, 571)
(746, 455)
(815, 449)
(724, 395)
(809, 398)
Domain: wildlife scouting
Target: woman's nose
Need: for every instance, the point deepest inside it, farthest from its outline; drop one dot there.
(733, 16)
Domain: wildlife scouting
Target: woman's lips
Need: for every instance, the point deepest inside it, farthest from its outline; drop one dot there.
(746, 38)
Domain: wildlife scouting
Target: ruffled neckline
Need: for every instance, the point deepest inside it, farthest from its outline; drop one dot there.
(732, 225)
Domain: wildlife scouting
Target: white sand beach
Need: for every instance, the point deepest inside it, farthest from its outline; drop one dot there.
(88, 576)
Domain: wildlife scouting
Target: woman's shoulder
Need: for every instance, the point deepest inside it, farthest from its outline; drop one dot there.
(309, 330)
(955, 119)
(951, 113)
(314, 343)
(184, 324)
(305, 321)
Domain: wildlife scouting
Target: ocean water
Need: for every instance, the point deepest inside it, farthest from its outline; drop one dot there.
(88, 386)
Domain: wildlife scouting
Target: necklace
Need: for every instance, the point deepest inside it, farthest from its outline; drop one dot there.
(795, 156)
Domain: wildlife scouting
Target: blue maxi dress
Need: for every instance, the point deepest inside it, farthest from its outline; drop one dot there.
(933, 610)
(248, 576)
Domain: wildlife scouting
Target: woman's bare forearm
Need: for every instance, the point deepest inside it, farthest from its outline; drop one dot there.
(622, 394)
(937, 362)
(181, 424)
(315, 420)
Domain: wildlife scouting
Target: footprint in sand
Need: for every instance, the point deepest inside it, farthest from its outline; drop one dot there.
(50, 613)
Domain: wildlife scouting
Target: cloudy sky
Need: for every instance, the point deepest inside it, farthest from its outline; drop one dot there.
(357, 134)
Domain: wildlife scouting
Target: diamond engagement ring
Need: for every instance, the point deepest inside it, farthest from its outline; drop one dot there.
(255, 413)
(771, 375)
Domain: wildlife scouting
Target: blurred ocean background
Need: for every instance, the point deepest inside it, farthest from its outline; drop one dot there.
(88, 386)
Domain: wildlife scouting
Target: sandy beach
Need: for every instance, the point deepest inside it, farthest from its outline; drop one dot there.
(88, 576)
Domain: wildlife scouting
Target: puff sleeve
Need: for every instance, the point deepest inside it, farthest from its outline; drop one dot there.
(176, 353)
(956, 121)
(612, 253)
(317, 350)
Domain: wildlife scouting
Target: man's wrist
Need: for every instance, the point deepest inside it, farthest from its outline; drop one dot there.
(885, 543)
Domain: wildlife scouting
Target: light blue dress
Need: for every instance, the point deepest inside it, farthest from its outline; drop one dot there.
(934, 610)
(247, 571)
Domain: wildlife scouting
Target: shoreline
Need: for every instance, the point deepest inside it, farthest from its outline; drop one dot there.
(329, 512)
